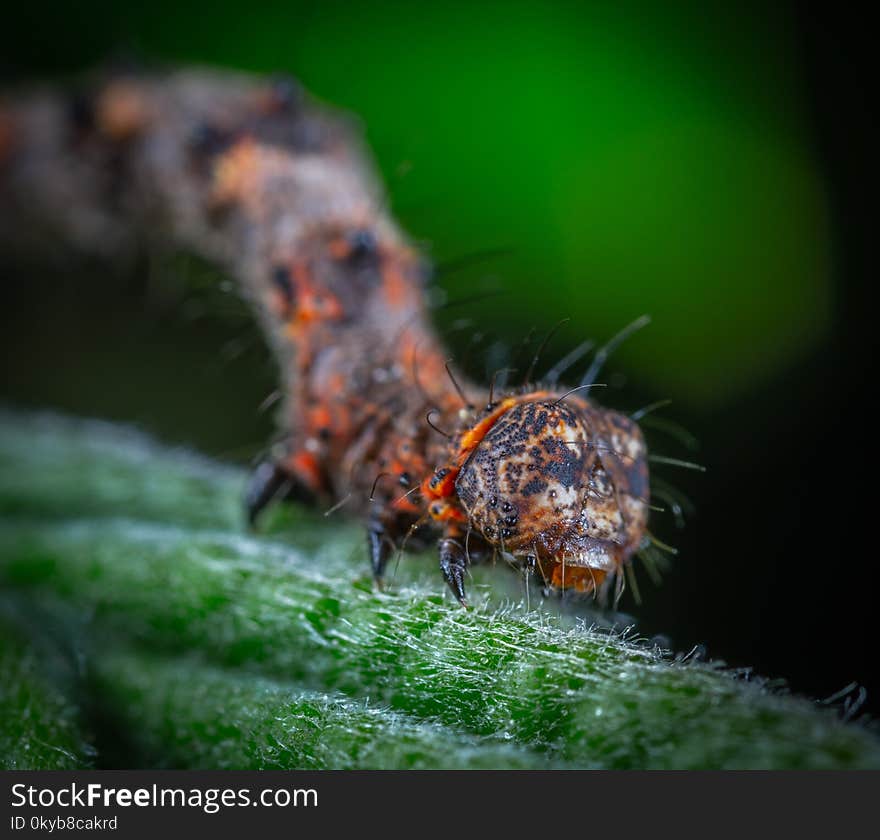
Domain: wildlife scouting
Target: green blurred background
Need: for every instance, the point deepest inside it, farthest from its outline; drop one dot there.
(570, 160)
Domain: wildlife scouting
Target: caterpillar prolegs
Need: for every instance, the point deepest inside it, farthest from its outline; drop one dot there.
(252, 175)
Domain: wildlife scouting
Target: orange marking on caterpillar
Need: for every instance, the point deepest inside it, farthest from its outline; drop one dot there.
(397, 287)
(471, 438)
(235, 172)
(122, 110)
(305, 467)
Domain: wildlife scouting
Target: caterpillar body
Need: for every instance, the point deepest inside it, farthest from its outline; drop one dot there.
(252, 175)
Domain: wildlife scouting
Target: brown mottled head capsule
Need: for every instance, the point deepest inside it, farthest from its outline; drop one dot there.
(565, 483)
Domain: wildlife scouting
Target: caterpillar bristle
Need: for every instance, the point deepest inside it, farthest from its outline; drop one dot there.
(676, 462)
(606, 350)
(674, 430)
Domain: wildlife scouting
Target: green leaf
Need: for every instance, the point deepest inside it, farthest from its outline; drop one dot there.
(39, 729)
(117, 538)
(180, 713)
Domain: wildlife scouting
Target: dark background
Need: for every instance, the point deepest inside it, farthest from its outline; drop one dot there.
(710, 165)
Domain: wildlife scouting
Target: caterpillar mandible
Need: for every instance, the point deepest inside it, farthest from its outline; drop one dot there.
(252, 175)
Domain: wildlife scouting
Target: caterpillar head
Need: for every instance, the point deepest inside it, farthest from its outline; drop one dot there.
(563, 486)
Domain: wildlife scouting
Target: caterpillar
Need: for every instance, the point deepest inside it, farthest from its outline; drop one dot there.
(277, 190)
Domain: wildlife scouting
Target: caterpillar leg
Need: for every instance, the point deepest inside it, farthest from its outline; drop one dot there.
(453, 565)
(270, 482)
(380, 547)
